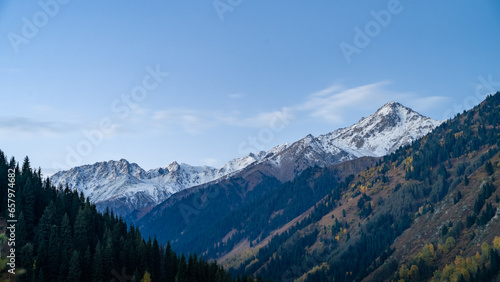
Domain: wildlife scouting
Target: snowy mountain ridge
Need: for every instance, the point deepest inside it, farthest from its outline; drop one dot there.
(125, 186)
(391, 127)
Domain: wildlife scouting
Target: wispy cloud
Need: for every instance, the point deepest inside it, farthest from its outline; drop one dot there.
(31, 126)
(189, 120)
(334, 103)
(265, 118)
(196, 122)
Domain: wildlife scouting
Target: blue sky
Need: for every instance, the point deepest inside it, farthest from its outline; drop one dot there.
(203, 82)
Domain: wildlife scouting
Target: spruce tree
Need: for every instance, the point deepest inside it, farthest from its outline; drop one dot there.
(39, 277)
(170, 269)
(26, 262)
(156, 261)
(66, 236)
(80, 231)
(22, 233)
(66, 247)
(87, 265)
(53, 256)
(136, 277)
(182, 269)
(97, 263)
(489, 168)
(27, 206)
(43, 237)
(75, 271)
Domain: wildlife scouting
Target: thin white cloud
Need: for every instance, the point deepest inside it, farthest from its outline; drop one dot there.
(190, 121)
(196, 122)
(265, 119)
(334, 103)
(32, 126)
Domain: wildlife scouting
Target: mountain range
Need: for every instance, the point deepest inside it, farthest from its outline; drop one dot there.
(394, 197)
(125, 187)
(427, 210)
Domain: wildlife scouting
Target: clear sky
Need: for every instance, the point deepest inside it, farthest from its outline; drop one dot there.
(202, 82)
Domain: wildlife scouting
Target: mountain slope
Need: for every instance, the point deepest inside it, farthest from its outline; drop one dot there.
(125, 187)
(389, 128)
(379, 224)
(56, 235)
(237, 212)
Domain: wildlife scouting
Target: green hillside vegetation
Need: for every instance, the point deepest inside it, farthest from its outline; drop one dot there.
(61, 237)
(365, 226)
(429, 211)
(230, 221)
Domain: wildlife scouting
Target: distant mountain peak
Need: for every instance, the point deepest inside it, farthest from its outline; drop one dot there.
(390, 127)
(173, 166)
(125, 186)
(393, 107)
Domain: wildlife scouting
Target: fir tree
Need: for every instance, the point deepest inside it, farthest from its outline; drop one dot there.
(26, 170)
(26, 262)
(170, 269)
(489, 168)
(39, 277)
(97, 264)
(80, 230)
(182, 269)
(43, 236)
(53, 256)
(21, 236)
(87, 265)
(136, 277)
(75, 271)
(156, 261)
(27, 206)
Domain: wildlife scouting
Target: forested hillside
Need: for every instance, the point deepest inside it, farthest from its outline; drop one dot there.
(427, 211)
(59, 236)
(223, 215)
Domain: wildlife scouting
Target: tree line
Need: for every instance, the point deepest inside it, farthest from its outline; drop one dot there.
(60, 236)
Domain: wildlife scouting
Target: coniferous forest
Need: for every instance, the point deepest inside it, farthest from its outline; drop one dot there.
(427, 212)
(59, 236)
(417, 183)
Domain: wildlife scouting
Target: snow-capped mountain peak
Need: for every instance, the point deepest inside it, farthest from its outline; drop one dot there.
(389, 128)
(125, 186)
